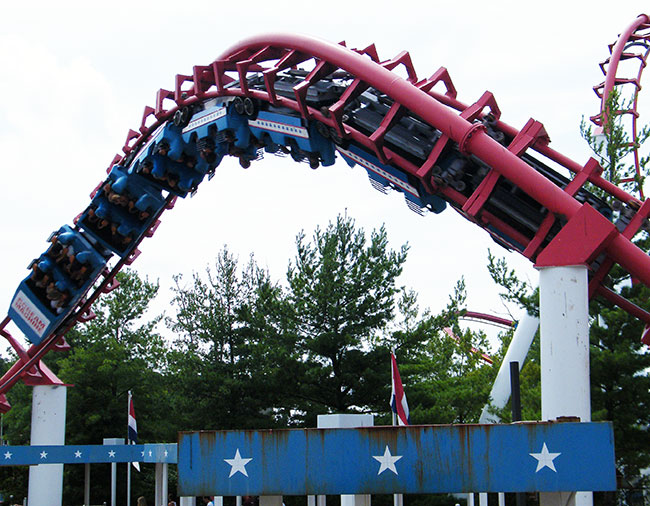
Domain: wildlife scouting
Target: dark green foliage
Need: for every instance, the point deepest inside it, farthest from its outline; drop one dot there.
(342, 293)
(447, 380)
(226, 364)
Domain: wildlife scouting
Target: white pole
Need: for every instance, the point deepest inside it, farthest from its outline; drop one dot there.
(158, 488)
(113, 483)
(48, 428)
(564, 353)
(128, 441)
(398, 499)
(165, 491)
(87, 484)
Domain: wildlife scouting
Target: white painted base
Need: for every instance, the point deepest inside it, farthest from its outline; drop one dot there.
(48, 428)
(564, 345)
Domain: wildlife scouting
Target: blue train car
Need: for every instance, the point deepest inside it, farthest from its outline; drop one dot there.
(169, 162)
(385, 176)
(218, 130)
(58, 280)
(276, 129)
(121, 210)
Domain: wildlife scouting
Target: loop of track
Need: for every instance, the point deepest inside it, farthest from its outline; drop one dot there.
(632, 45)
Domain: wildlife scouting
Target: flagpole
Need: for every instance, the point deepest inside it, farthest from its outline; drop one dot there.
(398, 499)
(128, 464)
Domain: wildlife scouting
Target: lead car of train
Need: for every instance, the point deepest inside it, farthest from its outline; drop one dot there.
(181, 152)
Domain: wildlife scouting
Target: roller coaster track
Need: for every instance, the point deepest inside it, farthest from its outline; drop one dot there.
(483, 318)
(495, 163)
(632, 46)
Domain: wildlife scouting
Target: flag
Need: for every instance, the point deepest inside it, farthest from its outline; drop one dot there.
(133, 429)
(397, 397)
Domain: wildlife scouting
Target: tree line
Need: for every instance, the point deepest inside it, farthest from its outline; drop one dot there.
(251, 352)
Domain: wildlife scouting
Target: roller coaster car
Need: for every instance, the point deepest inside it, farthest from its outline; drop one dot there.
(279, 126)
(217, 128)
(59, 279)
(122, 210)
(170, 163)
(383, 176)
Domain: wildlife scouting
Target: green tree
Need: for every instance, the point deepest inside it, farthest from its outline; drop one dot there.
(229, 323)
(342, 291)
(446, 378)
(117, 351)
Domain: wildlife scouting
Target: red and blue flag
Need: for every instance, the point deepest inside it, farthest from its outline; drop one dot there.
(398, 398)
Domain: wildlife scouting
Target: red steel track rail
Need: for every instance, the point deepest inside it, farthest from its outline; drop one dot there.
(632, 45)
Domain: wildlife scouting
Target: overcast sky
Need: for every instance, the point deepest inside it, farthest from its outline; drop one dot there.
(74, 78)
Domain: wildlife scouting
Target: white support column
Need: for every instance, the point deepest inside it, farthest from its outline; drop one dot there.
(188, 501)
(48, 428)
(355, 500)
(483, 499)
(164, 488)
(517, 351)
(113, 484)
(158, 497)
(564, 353)
(316, 500)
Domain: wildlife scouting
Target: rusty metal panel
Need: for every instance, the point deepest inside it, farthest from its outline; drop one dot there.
(524, 457)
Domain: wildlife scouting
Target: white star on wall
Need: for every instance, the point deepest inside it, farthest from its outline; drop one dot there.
(43, 455)
(111, 454)
(77, 454)
(8, 455)
(545, 459)
(387, 461)
(238, 464)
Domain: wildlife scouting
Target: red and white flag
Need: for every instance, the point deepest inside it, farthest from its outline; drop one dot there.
(397, 397)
